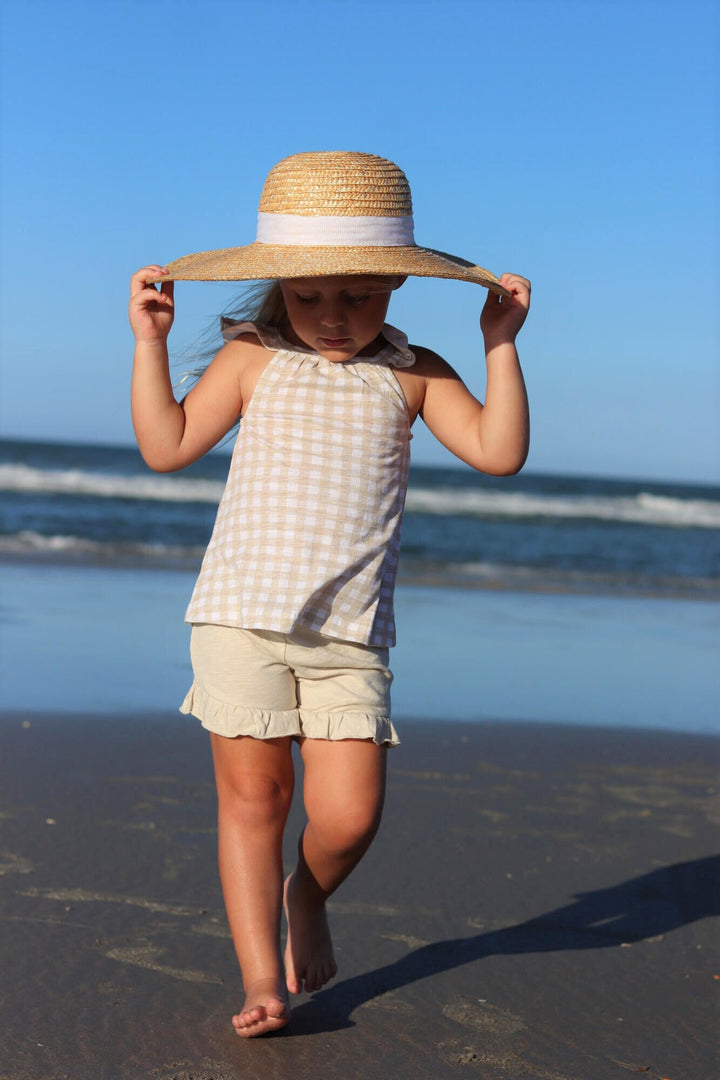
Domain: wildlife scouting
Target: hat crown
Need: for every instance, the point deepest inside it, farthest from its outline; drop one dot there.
(336, 183)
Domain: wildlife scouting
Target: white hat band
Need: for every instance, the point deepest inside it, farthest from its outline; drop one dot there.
(301, 230)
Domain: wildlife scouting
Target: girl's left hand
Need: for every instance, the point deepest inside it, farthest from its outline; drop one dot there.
(503, 316)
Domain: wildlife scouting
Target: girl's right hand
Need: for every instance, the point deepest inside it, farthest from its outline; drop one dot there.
(151, 311)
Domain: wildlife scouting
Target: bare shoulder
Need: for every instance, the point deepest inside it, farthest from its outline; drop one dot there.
(430, 364)
(245, 348)
(429, 367)
(244, 359)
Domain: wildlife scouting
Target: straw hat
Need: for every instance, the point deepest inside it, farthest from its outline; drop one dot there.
(326, 214)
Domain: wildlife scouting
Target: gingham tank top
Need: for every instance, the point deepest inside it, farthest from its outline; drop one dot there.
(307, 533)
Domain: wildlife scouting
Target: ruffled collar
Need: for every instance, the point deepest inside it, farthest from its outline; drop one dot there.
(394, 352)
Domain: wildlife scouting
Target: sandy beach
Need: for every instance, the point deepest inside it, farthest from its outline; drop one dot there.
(537, 904)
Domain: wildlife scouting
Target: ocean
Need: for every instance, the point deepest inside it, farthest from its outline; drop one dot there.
(102, 504)
(549, 598)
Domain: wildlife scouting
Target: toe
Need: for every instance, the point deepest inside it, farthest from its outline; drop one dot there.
(249, 1017)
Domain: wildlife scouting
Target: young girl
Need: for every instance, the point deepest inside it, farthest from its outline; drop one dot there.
(292, 613)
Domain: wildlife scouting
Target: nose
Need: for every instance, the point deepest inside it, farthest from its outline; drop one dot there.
(331, 315)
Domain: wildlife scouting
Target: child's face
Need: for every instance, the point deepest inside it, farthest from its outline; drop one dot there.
(339, 317)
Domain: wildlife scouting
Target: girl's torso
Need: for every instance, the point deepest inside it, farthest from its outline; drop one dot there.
(308, 529)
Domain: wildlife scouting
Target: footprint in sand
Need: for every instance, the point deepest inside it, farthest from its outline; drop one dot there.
(499, 1030)
(83, 896)
(495, 1066)
(484, 1017)
(407, 939)
(390, 1002)
(186, 1070)
(146, 956)
(14, 864)
(213, 928)
(500, 1047)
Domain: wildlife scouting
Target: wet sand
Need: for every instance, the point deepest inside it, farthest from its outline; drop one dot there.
(537, 905)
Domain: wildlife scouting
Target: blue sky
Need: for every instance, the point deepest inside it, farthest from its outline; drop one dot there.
(570, 141)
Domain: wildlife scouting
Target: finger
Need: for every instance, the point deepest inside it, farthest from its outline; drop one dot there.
(145, 273)
(141, 279)
(150, 299)
(149, 295)
(515, 283)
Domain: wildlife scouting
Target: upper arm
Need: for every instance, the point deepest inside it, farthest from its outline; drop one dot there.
(217, 400)
(448, 408)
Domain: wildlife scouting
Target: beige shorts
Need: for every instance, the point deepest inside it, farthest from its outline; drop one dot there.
(267, 685)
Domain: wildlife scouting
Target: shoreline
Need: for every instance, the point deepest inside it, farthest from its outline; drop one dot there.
(87, 639)
(536, 906)
(415, 729)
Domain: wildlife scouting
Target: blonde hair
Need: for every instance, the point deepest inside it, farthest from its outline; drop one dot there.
(261, 302)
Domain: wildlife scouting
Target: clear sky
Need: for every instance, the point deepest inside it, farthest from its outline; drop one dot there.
(572, 141)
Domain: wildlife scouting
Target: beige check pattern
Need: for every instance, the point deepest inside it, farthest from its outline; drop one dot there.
(308, 529)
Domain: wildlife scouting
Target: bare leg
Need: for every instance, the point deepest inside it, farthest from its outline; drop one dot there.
(344, 793)
(255, 783)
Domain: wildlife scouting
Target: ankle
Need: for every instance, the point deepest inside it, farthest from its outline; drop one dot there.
(303, 888)
(265, 987)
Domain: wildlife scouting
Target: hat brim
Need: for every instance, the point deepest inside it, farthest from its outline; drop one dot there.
(257, 262)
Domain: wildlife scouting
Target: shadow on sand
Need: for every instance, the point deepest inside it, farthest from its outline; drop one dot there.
(633, 911)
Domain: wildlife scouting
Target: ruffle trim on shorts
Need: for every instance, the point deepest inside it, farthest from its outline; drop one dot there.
(349, 725)
(229, 720)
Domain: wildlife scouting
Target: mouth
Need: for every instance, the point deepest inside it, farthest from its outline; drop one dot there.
(334, 343)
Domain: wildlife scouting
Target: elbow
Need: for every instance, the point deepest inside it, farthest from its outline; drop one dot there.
(502, 450)
(159, 460)
(509, 459)
(161, 465)
(502, 464)
(157, 453)
(503, 470)
(512, 468)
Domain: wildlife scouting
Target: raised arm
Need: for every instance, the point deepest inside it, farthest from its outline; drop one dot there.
(493, 437)
(172, 434)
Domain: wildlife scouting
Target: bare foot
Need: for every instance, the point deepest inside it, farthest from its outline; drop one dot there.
(309, 959)
(265, 1010)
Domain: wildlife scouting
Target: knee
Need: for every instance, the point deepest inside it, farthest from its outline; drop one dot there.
(254, 800)
(347, 831)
